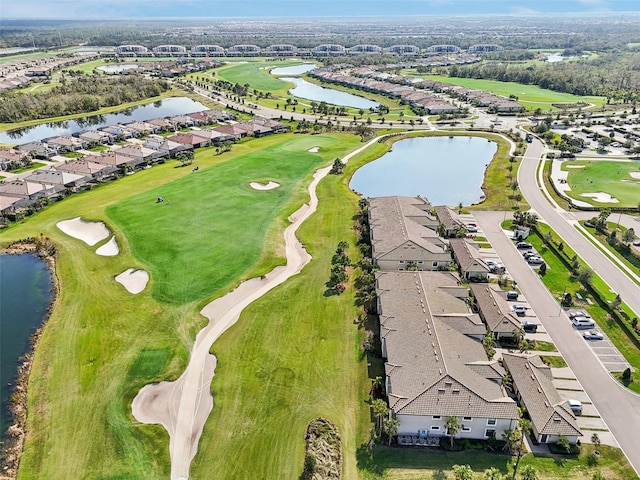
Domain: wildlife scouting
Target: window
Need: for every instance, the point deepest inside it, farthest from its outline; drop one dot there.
(490, 433)
(435, 427)
(420, 262)
(491, 421)
(434, 264)
(436, 417)
(401, 269)
(466, 429)
(401, 261)
(467, 419)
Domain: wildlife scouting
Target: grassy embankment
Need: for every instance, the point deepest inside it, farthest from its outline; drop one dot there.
(623, 254)
(102, 344)
(530, 96)
(614, 178)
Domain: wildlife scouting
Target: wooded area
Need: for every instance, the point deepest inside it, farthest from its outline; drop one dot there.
(78, 95)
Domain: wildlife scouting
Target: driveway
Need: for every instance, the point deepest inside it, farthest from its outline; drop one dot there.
(617, 406)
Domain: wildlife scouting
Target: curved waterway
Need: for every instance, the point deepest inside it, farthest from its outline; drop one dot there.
(25, 294)
(311, 91)
(182, 406)
(293, 70)
(162, 108)
(446, 170)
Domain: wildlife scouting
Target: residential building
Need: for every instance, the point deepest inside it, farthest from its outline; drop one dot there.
(466, 254)
(494, 309)
(400, 237)
(532, 383)
(434, 367)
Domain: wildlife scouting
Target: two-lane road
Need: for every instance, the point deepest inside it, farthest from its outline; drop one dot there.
(563, 223)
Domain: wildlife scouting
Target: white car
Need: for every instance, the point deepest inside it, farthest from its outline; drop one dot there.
(519, 309)
(593, 335)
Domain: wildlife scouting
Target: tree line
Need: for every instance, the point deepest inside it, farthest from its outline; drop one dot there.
(78, 95)
(616, 77)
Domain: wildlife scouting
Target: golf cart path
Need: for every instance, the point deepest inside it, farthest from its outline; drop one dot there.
(182, 406)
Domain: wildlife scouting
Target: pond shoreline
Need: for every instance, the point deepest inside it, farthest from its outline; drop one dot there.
(12, 440)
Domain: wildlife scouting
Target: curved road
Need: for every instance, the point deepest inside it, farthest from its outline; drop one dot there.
(619, 407)
(563, 223)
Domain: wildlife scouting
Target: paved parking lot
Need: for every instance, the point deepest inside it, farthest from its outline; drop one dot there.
(590, 421)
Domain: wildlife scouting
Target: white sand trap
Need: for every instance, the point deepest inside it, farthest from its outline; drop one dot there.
(109, 249)
(264, 186)
(635, 174)
(133, 280)
(574, 166)
(89, 232)
(600, 197)
(314, 150)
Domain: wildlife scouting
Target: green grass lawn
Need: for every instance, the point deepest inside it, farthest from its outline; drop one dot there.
(530, 96)
(293, 356)
(256, 74)
(382, 463)
(33, 166)
(206, 200)
(606, 176)
(102, 344)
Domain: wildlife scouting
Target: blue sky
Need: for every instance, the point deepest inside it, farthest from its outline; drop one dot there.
(128, 9)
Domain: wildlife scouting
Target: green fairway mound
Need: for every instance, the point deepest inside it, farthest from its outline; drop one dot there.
(603, 182)
(323, 451)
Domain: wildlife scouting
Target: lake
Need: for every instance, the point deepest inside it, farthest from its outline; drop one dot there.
(162, 108)
(25, 294)
(445, 170)
(293, 70)
(554, 57)
(311, 91)
(117, 68)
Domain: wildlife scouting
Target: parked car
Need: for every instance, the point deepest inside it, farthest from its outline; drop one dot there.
(524, 246)
(519, 310)
(529, 327)
(583, 323)
(496, 267)
(471, 229)
(535, 260)
(512, 295)
(636, 243)
(578, 313)
(575, 406)
(529, 254)
(593, 335)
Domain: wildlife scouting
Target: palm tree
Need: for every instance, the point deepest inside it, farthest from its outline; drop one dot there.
(453, 426)
(529, 473)
(380, 410)
(492, 474)
(390, 426)
(376, 387)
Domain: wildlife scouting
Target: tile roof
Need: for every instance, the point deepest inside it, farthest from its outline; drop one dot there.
(433, 368)
(549, 414)
(467, 256)
(494, 308)
(398, 229)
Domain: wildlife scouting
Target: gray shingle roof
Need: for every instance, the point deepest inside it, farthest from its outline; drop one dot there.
(549, 414)
(432, 367)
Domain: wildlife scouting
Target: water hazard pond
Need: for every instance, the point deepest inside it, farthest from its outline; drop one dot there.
(311, 91)
(445, 170)
(25, 294)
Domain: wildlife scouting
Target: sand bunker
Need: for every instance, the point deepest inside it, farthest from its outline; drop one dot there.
(264, 186)
(89, 232)
(635, 175)
(314, 150)
(133, 280)
(600, 197)
(574, 166)
(109, 249)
